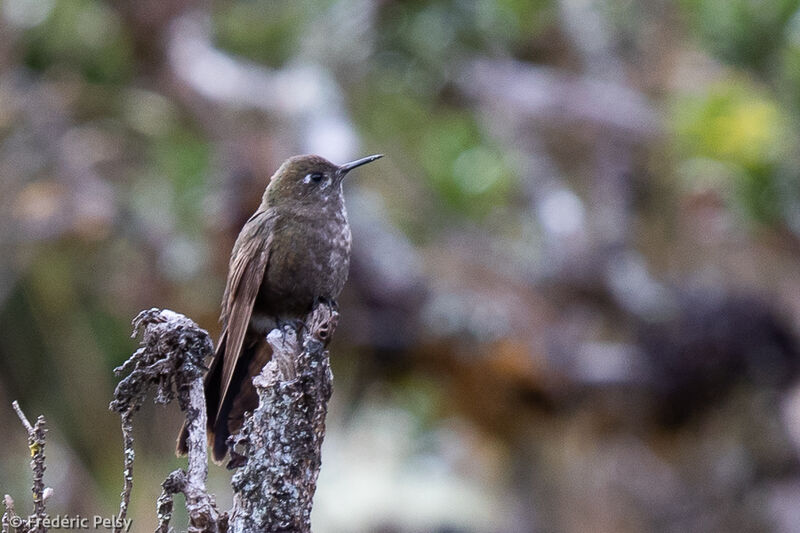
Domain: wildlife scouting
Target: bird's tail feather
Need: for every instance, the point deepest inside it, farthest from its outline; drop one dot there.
(241, 395)
(211, 387)
(225, 415)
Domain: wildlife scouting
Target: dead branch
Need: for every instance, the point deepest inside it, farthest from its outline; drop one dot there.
(8, 514)
(170, 357)
(36, 522)
(174, 484)
(282, 440)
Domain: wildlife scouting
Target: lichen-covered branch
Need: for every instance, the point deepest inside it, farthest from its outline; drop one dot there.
(170, 358)
(174, 484)
(203, 516)
(37, 435)
(8, 514)
(282, 440)
(127, 472)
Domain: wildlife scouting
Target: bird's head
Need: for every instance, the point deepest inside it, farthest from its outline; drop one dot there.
(309, 180)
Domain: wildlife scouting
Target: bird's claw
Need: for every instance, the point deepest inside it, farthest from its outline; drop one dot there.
(330, 302)
(297, 324)
(237, 460)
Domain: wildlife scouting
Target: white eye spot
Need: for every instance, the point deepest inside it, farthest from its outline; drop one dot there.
(317, 181)
(314, 177)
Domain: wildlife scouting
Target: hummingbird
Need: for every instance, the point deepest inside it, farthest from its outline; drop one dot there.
(293, 252)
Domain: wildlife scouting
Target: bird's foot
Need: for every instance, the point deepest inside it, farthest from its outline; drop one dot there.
(237, 460)
(297, 324)
(330, 302)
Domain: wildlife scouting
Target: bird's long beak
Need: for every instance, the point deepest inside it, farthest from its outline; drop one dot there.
(347, 167)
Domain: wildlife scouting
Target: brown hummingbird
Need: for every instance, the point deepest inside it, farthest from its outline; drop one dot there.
(292, 253)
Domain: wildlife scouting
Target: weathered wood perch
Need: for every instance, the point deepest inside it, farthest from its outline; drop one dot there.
(280, 442)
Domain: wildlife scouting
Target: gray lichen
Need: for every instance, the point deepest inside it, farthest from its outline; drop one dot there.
(282, 440)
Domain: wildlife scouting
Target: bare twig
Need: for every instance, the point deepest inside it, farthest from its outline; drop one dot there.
(200, 505)
(174, 484)
(283, 437)
(129, 455)
(8, 514)
(37, 435)
(170, 357)
(22, 417)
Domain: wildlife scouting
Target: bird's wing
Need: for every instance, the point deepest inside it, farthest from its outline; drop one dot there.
(247, 268)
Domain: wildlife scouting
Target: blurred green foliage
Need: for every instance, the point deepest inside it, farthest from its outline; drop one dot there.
(269, 36)
(170, 193)
(744, 32)
(738, 125)
(182, 157)
(743, 128)
(83, 36)
(459, 162)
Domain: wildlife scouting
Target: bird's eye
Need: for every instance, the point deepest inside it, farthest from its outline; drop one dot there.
(316, 177)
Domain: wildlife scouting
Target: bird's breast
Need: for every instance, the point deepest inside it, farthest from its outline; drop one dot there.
(309, 259)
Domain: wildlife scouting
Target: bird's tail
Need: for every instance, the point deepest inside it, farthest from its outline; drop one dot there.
(225, 415)
(211, 386)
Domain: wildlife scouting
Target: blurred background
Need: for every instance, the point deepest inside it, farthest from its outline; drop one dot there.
(575, 291)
